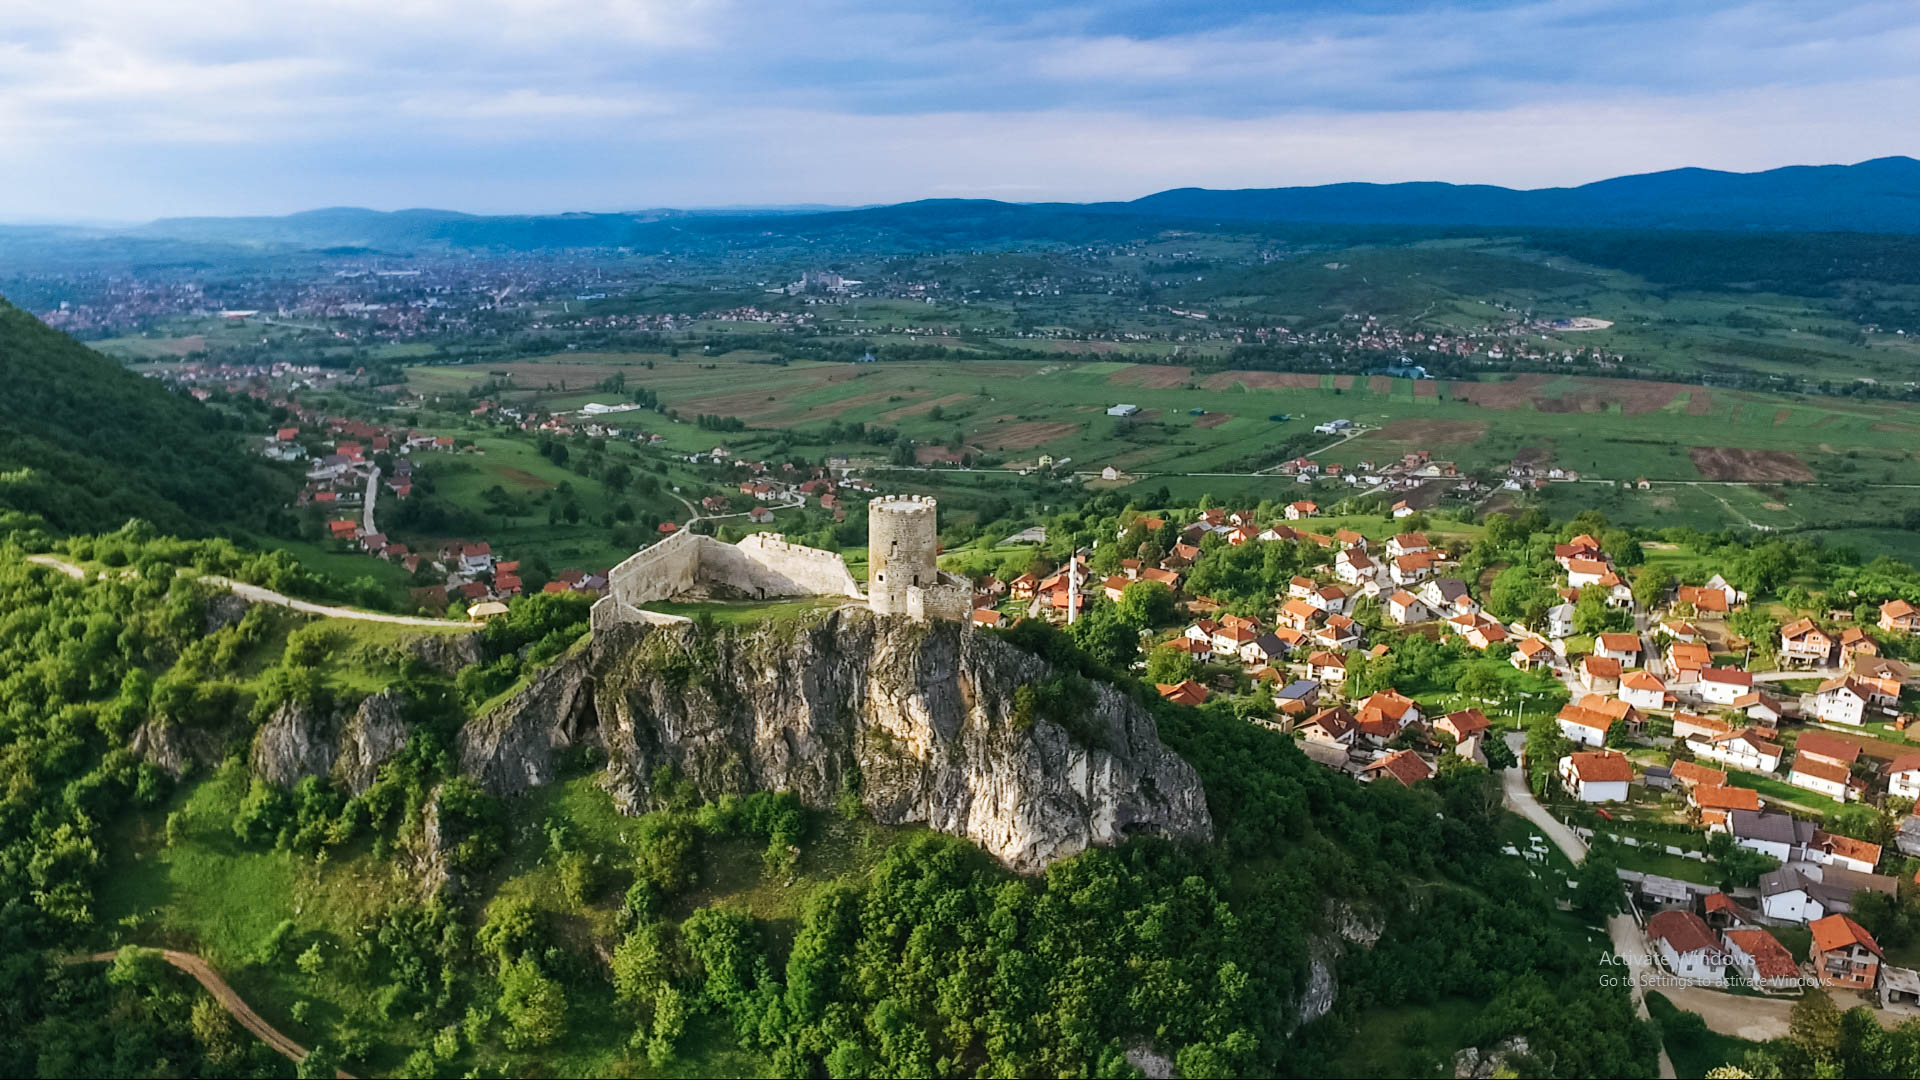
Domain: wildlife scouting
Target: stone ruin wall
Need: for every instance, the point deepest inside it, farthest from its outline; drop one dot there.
(762, 566)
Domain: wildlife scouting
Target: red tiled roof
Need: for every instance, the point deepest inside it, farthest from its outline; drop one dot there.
(1771, 960)
(1601, 767)
(1403, 765)
(1683, 930)
(1840, 932)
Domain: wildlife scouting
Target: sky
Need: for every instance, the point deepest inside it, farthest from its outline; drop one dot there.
(125, 110)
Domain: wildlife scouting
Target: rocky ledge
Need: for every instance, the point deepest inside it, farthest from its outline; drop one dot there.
(925, 724)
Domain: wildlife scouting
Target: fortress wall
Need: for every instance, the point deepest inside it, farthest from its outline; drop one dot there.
(811, 570)
(660, 572)
(762, 565)
(765, 565)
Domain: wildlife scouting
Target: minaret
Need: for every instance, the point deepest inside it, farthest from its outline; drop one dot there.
(1073, 586)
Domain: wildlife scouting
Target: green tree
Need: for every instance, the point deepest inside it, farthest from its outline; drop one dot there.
(533, 1005)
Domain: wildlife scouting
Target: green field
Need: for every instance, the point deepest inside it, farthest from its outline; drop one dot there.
(1715, 458)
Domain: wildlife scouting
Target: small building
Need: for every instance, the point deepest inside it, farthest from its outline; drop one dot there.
(1600, 674)
(1123, 410)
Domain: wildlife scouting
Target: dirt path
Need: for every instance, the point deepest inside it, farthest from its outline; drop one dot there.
(210, 979)
(267, 596)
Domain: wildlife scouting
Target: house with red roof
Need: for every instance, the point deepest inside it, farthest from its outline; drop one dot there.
(1844, 954)
(1404, 766)
(1760, 958)
(1183, 693)
(1596, 776)
(1899, 617)
(1687, 946)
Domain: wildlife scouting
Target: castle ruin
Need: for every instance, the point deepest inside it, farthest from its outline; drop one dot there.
(904, 578)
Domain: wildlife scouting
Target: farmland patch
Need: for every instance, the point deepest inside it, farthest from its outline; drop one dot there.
(1751, 466)
(1212, 420)
(1028, 435)
(1262, 380)
(1151, 376)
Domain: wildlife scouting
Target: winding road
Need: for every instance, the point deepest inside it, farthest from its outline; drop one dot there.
(260, 595)
(210, 979)
(1628, 943)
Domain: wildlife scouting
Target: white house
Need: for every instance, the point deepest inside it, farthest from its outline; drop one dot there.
(1723, 686)
(1410, 568)
(1833, 850)
(1408, 544)
(1596, 777)
(1740, 749)
(1403, 607)
(1787, 894)
(1122, 410)
(1560, 621)
(1761, 958)
(1353, 566)
(1687, 946)
(1840, 701)
(1583, 726)
(1780, 835)
(1821, 776)
(1903, 777)
(1622, 647)
(1643, 690)
(1584, 572)
(476, 558)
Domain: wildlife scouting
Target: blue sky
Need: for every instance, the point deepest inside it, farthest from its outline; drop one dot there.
(129, 109)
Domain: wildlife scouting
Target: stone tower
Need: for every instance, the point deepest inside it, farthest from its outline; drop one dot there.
(903, 575)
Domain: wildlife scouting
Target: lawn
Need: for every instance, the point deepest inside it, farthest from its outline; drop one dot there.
(1780, 790)
(748, 611)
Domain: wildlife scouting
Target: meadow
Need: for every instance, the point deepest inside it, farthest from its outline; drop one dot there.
(1713, 457)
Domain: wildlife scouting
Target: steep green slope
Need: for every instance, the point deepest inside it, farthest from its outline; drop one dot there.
(86, 444)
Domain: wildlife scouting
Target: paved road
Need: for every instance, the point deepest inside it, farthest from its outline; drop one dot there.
(373, 492)
(1628, 943)
(230, 1001)
(267, 596)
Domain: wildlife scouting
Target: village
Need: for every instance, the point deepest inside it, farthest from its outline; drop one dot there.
(1666, 741)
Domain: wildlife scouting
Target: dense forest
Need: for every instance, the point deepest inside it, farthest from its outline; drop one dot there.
(86, 444)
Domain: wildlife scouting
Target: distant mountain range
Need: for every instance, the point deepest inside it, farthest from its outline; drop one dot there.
(1878, 196)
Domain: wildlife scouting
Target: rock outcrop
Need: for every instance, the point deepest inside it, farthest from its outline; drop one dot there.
(299, 741)
(922, 721)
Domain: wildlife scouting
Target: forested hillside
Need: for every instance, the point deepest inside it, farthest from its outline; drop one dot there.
(86, 444)
(743, 936)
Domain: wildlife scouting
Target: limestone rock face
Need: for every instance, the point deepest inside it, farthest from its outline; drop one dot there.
(376, 731)
(918, 719)
(299, 741)
(296, 742)
(446, 653)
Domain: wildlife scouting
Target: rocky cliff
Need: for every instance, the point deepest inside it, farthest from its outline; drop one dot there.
(923, 722)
